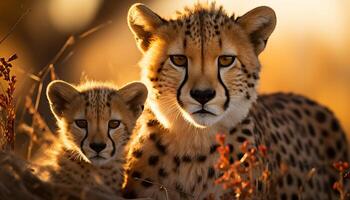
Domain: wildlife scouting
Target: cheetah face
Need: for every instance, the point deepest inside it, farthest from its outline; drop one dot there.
(203, 65)
(96, 121)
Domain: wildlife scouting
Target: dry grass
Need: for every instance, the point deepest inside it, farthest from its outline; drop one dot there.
(7, 108)
(247, 178)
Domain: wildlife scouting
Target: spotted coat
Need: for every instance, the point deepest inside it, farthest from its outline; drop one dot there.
(297, 132)
(174, 151)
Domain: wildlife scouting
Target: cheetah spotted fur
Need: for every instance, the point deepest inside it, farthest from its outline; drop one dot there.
(202, 71)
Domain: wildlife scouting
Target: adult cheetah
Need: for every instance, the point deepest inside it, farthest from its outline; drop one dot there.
(202, 70)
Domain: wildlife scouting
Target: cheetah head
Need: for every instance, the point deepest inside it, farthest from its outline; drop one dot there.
(96, 119)
(202, 65)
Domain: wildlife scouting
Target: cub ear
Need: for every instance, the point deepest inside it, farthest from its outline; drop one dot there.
(134, 94)
(143, 22)
(258, 23)
(60, 94)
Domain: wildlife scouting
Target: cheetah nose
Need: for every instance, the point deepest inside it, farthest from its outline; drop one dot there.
(97, 147)
(202, 96)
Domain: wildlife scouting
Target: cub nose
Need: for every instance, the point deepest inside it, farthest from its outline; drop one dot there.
(97, 147)
(202, 96)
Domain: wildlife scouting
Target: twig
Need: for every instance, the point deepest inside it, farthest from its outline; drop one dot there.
(30, 75)
(53, 75)
(161, 186)
(14, 25)
(72, 40)
(37, 101)
(166, 192)
(94, 29)
(69, 55)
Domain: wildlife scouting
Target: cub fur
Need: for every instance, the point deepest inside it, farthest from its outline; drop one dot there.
(95, 123)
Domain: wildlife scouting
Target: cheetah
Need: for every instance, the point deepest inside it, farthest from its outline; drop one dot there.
(95, 123)
(202, 71)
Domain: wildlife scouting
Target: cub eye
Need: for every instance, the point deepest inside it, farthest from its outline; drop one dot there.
(178, 60)
(225, 61)
(113, 124)
(81, 123)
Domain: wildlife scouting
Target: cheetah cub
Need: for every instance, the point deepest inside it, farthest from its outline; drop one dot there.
(95, 123)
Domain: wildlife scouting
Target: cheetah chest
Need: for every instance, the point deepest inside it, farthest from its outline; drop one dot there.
(183, 174)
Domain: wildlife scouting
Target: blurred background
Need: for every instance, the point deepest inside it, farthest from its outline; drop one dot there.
(308, 53)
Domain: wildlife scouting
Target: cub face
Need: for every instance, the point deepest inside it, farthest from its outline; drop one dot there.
(203, 64)
(96, 120)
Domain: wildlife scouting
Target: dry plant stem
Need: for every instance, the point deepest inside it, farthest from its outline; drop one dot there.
(251, 171)
(341, 181)
(37, 100)
(29, 75)
(20, 98)
(165, 191)
(30, 147)
(40, 89)
(72, 40)
(14, 26)
(69, 55)
(94, 29)
(39, 132)
(162, 187)
(238, 176)
(53, 74)
(268, 180)
(7, 105)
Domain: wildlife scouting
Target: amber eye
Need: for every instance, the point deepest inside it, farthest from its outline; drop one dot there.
(113, 124)
(178, 60)
(81, 123)
(225, 61)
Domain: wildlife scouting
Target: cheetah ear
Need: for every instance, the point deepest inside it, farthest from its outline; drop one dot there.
(258, 23)
(134, 94)
(60, 94)
(143, 22)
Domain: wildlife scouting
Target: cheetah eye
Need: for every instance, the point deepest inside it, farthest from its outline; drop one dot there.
(178, 60)
(81, 123)
(113, 124)
(226, 60)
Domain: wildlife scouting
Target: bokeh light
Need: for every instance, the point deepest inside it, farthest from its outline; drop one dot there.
(72, 15)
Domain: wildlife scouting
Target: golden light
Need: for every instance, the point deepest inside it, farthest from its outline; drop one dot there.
(296, 17)
(72, 15)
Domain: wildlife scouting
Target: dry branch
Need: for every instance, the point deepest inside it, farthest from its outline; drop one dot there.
(14, 25)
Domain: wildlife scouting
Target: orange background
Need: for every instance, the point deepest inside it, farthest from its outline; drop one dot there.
(308, 53)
